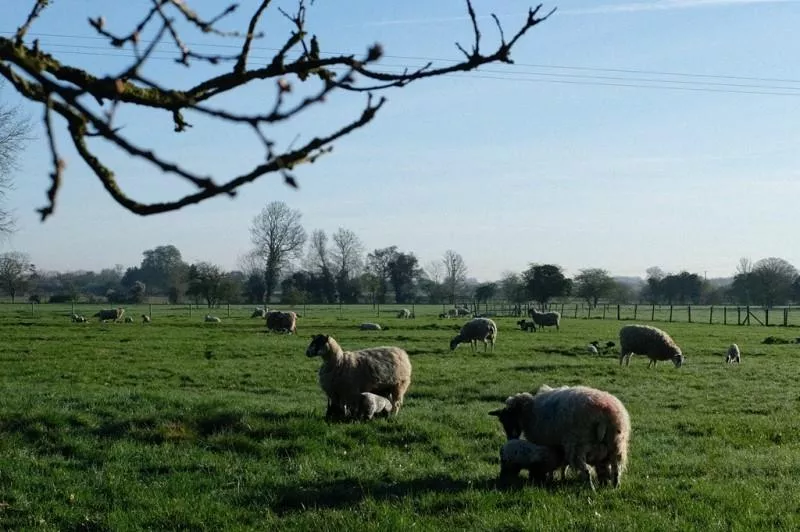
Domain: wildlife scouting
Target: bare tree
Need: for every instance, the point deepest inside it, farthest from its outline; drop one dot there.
(744, 266)
(347, 253)
(15, 130)
(89, 101)
(279, 237)
(434, 270)
(318, 253)
(455, 271)
(15, 272)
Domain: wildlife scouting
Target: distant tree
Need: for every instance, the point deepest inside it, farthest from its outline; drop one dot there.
(15, 132)
(254, 286)
(319, 260)
(546, 281)
(404, 271)
(205, 283)
(138, 292)
(513, 287)
(162, 270)
(796, 290)
(455, 272)
(773, 281)
(279, 238)
(652, 291)
(347, 257)
(378, 265)
(591, 284)
(682, 288)
(371, 285)
(484, 292)
(16, 271)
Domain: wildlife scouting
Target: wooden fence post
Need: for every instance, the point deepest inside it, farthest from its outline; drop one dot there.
(653, 313)
(724, 315)
(689, 309)
(711, 315)
(150, 310)
(786, 317)
(604, 311)
(766, 317)
(618, 318)
(635, 310)
(576, 310)
(738, 315)
(562, 309)
(670, 313)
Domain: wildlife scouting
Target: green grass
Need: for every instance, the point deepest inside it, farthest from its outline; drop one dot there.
(184, 425)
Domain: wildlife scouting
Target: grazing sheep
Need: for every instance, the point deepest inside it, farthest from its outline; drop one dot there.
(733, 355)
(114, 314)
(212, 319)
(128, 319)
(650, 341)
(145, 318)
(369, 327)
(259, 313)
(404, 314)
(527, 325)
(477, 329)
(592, 426)
(282, 321)
(442, 315)
(545, 319)
(540, 461)
(452, 313)
(345, 375)
(77, 318)
(371, 405)
(462, 311)
(610, 344)
(592, 349)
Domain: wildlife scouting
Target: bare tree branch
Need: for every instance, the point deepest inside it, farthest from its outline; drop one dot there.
(63, 90)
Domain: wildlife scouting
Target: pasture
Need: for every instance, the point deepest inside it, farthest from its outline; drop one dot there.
(185, 425)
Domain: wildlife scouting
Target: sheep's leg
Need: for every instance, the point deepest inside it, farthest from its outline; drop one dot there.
(623, 357)
(396, 396)
(616, 473)
(577, 460)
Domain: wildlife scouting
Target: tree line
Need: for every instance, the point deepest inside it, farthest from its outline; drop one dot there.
(287, 265)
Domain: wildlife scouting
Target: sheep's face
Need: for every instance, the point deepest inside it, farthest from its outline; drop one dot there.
(678, 360)
(454, 343)
(509, 418)
(319, 346)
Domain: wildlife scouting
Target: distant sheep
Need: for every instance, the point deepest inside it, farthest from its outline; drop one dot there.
(371, 405)
(477, 329)
(114, 314)
(592, 349)
(369, 327)
(259, 313)
(650, 341)
(733, 355)
(527, 325)
(462, 311)
(610, 344)
(128, 319)
(282, 321)
(404, 314)
(345, 375)
(592, 426)
(77, 318)
(545, 319)
(145, 318)
(540, 461)
(452, 313)
(212, 319)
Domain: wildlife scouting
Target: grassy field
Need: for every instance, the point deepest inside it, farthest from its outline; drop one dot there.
(184, 425)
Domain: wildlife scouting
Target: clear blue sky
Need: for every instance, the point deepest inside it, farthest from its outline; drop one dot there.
(505, 166)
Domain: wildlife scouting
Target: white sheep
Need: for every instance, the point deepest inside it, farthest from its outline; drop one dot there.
(477, 329)
(404, 314)
(527, 325)
(212, 319)
(592, 349)
(592, 426)
(371, 405)
(128, 319)
(259, 313)
(650, 341)
(145, 318)
(369, 327)
(282, 321)
(114, 314)
(345, 375)
(540, 461)
(545, 319)
(733, 355)
(77, 318)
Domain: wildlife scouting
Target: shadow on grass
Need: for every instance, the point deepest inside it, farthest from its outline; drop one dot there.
(347, 492)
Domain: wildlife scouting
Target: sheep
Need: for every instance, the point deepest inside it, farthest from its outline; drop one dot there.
(370, 327)
(259, 313)
(145, 318)
(452, 313)
(370, 405)
(345, 375)
(592, 349)
(128, 319)
(540, 461)
(476, 329)
(462, 311)
(212, 319)
(733, 355)
(545, 319)
(442, 315)
(77, 318)
(282, 321)
(404, 314)
(610, 344)
(114, 314)
(592, 426)
(650, 341)
(527, 325)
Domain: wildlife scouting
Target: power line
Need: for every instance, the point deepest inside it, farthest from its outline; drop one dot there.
(448, 60)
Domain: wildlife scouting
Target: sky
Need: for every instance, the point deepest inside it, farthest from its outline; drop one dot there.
(625, 135)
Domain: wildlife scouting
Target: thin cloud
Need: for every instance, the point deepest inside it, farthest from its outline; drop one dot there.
(666, 5)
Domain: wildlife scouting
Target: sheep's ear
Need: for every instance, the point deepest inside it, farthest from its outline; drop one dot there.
(497, 412)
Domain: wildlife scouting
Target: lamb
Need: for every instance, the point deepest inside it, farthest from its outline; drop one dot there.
(371, 405)
(452, 313)
(212, 319)
(592, 349)
(650, 341)
(259, 313)
(545, 319)
(476, 329)
(110, 314)
(592, 426)
(145, 318)
(77, 318)
(128, 319)
(369, 327)
(282, 321)
(404, 314)
(540, 461)
(733, 355)
(527, 325)
(462, 311)
(345, 375)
